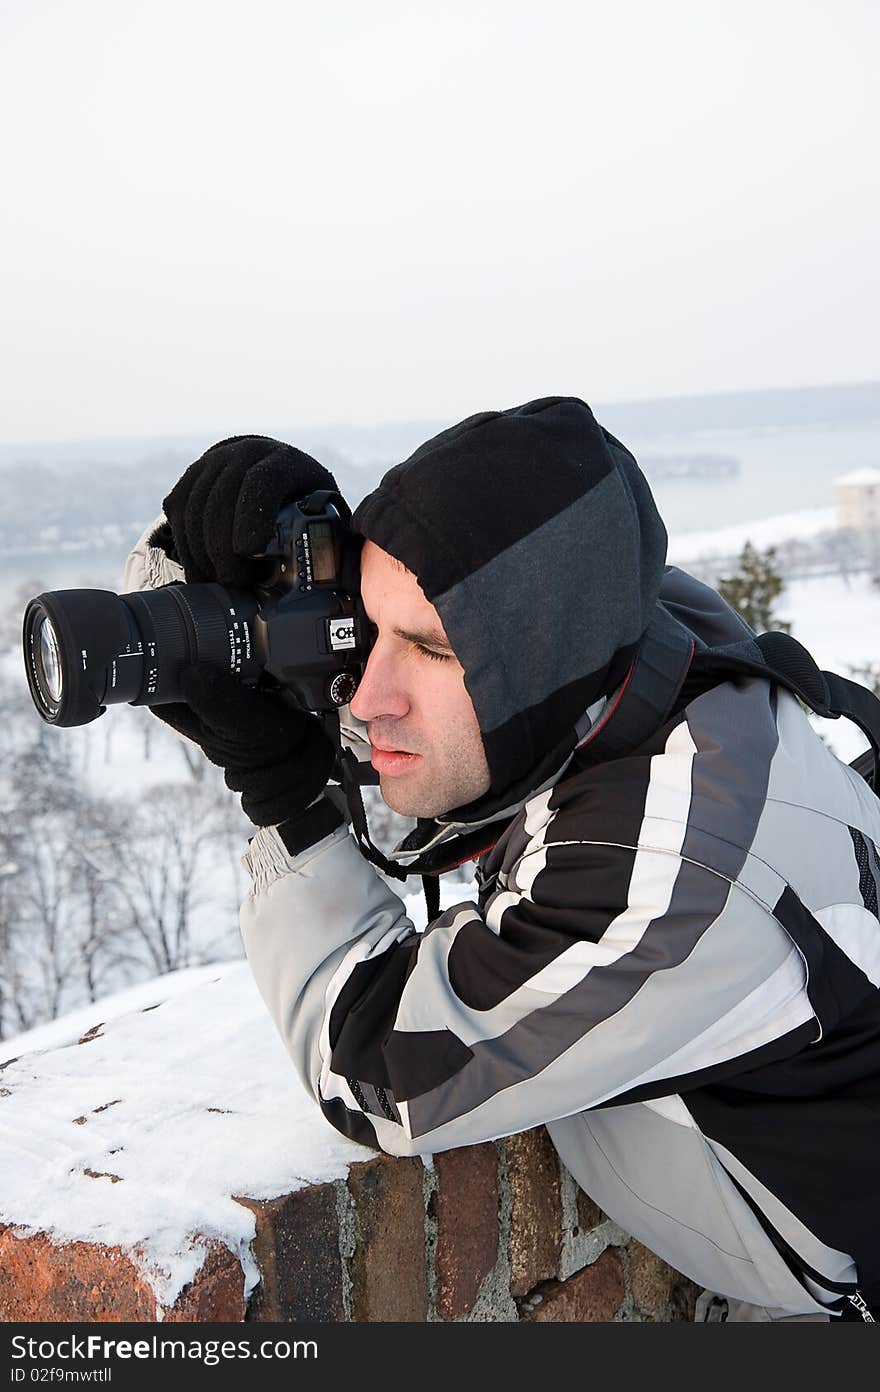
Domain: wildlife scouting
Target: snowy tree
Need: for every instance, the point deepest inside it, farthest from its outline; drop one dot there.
(12, 615)
(753, 589)
(157, 856)
(98, 891)
(41, 810)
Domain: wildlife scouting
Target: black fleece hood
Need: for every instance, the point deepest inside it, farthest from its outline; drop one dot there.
(534, 534)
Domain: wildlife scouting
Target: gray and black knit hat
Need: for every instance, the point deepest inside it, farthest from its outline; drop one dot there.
(534, 534)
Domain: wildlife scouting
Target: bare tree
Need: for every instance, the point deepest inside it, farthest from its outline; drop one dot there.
(868, 674)
(40, 805)
(194, 760)
(13, 613)
(157, 856)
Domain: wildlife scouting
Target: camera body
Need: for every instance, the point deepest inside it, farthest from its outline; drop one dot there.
(310, 632)
(301, 627)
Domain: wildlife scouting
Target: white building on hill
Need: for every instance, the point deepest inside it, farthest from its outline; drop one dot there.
(857, 496)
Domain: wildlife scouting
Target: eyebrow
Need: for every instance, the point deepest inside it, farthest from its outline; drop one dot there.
(431, 638)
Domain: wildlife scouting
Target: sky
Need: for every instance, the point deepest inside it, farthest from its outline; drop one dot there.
(223, 217)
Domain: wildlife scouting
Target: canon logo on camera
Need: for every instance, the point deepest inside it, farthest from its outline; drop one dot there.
(341, 633)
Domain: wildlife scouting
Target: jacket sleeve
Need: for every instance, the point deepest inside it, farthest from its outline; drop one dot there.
(595, 973)
(148, 567)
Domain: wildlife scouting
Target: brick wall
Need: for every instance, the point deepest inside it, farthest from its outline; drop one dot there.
(492, 1232)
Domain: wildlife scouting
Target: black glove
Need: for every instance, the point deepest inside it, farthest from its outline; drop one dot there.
(222, 512)
(277, 757)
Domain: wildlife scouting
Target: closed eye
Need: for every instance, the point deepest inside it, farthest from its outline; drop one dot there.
(428, 652)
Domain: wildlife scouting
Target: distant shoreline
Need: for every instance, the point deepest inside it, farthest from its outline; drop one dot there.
(833, 405)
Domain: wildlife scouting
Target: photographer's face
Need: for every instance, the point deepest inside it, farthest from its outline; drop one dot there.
(412, 698)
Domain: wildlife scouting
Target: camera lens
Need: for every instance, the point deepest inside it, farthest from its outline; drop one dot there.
(50, 660)
(88, 649)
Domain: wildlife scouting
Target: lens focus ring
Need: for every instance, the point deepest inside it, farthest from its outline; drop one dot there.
(168, 644)
(186, 624)
(208, 613)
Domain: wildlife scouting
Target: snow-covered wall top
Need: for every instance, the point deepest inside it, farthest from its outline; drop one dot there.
(141, 1136)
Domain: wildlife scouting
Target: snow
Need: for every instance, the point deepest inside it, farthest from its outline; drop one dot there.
(55, 1034)
(186, 1095)
(859, 476)
(188, 1102)
(762, 532)
(184, 1092)
(839, 623)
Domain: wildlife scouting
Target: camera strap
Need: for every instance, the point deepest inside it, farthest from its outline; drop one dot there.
(347, 765)
(669, 670)
(665, 671)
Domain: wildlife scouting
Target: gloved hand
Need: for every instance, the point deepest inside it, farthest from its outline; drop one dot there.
(219, 514)
(222, 512)
(277, 757)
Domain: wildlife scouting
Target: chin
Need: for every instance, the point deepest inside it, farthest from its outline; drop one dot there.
(407, 804)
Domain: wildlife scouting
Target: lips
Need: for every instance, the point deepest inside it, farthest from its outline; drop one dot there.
(391, 761)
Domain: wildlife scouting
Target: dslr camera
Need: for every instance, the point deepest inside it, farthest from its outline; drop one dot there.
(302, 628)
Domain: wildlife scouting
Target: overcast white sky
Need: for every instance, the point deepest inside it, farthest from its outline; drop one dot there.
(238, 216)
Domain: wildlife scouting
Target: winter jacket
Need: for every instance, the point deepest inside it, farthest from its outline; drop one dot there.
(672, 961)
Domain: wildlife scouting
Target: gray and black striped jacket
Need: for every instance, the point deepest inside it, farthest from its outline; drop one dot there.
(672, 961)
(673, 956)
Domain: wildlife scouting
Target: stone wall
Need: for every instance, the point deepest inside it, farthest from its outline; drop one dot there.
(496, 1232)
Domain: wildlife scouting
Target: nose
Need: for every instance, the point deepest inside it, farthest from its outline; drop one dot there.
(380, 692)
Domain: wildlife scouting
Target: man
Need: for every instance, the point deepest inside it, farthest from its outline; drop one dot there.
(673, 956)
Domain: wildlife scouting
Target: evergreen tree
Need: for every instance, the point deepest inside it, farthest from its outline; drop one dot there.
(753, 588)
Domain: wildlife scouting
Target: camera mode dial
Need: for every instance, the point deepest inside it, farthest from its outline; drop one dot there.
(342, 688)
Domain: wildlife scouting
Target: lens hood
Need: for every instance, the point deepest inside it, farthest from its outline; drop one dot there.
(83, 669)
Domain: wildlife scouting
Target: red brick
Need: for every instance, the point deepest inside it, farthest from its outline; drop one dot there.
(589, 1213)
(651, 1280)
(44, 1281)
(467, 1225)
(536, 1209)
(216, 1296)
(388, 1275)
(74, 1281)
(683, 1299)
(297, 1250)
(591, 1296)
